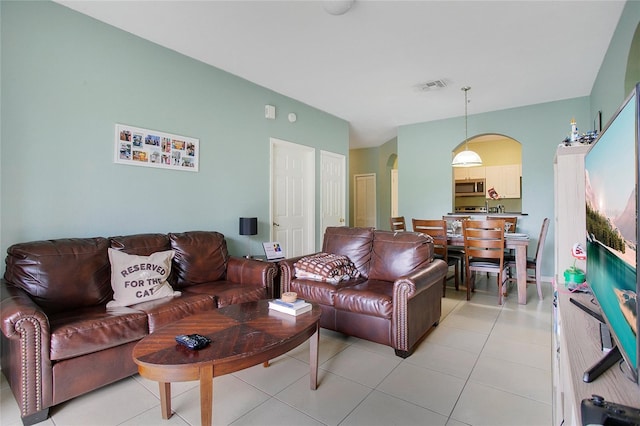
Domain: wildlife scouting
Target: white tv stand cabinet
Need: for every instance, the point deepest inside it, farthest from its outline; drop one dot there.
(576, 337)
(576, 347)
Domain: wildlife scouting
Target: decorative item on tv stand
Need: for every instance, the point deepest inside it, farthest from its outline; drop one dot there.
(574, 276)
(248, 226)
(576, 139)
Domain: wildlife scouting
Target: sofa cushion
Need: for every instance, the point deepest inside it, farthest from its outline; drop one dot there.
(164, 311)
(137, 279)
(141, 244)
(61, 274)
(318, 291)
(227, 293)
(87, 330)
(397, 254)
(372, 297)
(355, 243)
(201, 257)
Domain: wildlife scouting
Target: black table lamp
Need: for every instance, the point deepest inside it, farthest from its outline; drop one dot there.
(248, 226)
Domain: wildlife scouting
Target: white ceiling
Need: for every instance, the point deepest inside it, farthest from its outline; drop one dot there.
(365, 66)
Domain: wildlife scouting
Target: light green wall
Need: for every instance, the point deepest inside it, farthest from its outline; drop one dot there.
(614, 82)
(67, 79)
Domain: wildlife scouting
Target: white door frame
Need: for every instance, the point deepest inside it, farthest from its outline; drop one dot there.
(309, 201)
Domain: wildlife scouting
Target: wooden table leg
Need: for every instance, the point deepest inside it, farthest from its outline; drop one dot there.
(206, 395)
(313, 357)
(165, 399)
(521, 273)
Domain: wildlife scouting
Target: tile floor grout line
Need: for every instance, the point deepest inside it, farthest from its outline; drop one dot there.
(468, 379)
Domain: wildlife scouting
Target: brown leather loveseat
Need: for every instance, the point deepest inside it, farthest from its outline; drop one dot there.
(397, 298)
(60, 340)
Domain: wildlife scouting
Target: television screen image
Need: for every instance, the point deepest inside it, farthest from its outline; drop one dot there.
(611, 167)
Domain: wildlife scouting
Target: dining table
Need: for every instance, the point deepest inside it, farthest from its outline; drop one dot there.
(516, 241)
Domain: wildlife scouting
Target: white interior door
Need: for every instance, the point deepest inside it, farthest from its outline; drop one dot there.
(365, 200)
(332, 190)
(293, 197)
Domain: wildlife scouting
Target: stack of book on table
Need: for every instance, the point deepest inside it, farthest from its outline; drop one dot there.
(294, 308)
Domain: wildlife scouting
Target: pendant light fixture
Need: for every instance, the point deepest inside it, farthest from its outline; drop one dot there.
(466, 158)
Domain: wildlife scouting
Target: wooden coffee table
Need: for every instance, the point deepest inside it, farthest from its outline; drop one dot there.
(242, 336)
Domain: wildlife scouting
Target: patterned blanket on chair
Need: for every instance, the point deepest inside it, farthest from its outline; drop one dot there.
(327, 267)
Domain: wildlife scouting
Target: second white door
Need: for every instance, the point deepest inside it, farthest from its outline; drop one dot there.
(365, 200)
(332, 190)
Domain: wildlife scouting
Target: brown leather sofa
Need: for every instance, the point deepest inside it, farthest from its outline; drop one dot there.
(397, 298)
(59, 340)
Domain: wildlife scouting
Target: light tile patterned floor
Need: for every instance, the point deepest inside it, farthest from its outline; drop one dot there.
(483, 365)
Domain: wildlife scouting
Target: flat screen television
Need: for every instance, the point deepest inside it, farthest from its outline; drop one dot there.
(612, 233)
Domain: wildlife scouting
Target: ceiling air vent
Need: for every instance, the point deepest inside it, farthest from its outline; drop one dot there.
(432, 85)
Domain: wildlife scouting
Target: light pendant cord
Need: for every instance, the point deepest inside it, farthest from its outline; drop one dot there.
(466, 126)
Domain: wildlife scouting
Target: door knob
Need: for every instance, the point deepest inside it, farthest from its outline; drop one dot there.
(276, 224)
(341, 220)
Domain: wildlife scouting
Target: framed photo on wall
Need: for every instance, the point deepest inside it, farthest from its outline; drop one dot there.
(136, 146)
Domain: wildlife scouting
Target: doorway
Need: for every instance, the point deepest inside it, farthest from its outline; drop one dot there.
(293, 197)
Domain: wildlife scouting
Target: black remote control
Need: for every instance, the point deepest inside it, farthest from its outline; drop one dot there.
(193, 341)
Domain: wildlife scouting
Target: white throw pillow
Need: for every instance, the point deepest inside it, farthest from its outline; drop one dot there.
(136, 279)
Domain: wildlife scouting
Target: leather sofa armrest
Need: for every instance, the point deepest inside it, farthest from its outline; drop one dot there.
(252, 272)
(407, 329)
(287, 272)
(15, 307)
(410, 285)
(25, 352)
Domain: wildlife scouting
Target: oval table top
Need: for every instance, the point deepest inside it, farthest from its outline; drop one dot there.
(242, 335)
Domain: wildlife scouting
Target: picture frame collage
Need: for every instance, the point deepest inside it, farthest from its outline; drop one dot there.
(136, 146)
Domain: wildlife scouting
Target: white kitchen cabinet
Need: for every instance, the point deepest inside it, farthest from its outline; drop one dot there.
(465, 173)
(504, 179)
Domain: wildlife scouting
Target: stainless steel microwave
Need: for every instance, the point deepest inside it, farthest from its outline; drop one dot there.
(469, 188)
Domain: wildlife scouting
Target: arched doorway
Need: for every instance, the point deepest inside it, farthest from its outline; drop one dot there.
(501, 170)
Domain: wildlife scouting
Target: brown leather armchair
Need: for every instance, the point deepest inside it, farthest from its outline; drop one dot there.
(397, 298)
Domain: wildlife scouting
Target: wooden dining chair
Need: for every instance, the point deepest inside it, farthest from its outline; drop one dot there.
(513, 220)
(437, 229)
(533, 263)
(484, 252)
(398, 223)
(456, 252)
